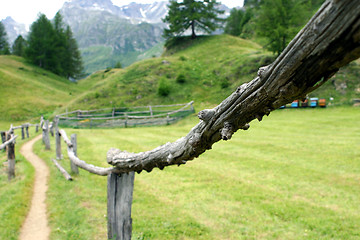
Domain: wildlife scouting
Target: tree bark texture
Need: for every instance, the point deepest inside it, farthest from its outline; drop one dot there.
(3, 140)
(62, 170)
(7, 142)
(74, 167)
(11, 157)
(46, 137)
(82, 164)
(330, 40)
(27, 130)
(120, 194)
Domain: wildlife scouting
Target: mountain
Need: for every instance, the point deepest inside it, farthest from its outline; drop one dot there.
(13, 29)
(107, 34)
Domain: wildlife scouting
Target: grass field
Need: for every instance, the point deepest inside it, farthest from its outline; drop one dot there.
(296, 175)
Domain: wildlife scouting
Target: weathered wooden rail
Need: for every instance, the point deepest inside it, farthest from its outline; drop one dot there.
(121, 117)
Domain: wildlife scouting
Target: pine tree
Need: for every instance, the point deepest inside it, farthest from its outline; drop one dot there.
(4, 45)
(19, 46)
(41, 45)
(74, 62)
(279, 20)
(52, 47)
(192, 14)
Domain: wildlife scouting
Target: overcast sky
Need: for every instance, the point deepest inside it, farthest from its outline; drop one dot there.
(26, 11)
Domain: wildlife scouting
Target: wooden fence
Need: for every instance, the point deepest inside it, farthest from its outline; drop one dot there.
(8, 139)
(126, 117)
(120, 185)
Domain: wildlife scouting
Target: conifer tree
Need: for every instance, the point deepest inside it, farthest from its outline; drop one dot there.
(197, 15)
(279, 20)
(4, 45)
(41, 48)
(54, 48)
(19, 46)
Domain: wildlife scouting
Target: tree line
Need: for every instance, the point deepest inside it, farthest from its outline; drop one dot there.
(49, 45)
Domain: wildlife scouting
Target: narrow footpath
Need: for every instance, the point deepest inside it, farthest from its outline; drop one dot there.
(36, 225)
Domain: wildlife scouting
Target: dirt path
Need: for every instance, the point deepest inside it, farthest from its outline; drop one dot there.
(36, 226)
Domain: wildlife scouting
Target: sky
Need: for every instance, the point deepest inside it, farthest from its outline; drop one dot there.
(26, 11)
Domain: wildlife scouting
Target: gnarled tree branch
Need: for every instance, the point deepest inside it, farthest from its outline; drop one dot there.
(329, 41)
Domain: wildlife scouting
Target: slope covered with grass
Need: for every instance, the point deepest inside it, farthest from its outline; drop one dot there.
(205, 70)
(28, 91)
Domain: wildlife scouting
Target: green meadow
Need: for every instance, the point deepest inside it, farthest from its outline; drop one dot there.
(295, 175)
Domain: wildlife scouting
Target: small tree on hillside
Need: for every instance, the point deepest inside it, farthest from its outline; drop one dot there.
(4, 45)
(191, 14)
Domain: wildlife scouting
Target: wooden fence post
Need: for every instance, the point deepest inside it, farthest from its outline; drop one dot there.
(46, 138)
(22, 132)
(37, 128)
(120, 194)
(57, 139)
(126, 120)
(11, 158)
(151, 111)
(168, 119)
(74, 167)
(3, 139)
(27, 130)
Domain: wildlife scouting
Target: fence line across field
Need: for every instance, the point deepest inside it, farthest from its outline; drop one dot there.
(112, 117)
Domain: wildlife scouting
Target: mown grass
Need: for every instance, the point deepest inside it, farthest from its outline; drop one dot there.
(293, 176)
(15, 194)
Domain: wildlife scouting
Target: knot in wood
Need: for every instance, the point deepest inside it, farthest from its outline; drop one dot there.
(195, 140)
(262, 71)
(245, 127)
(227, 131)
(206, 114)
(241, 89)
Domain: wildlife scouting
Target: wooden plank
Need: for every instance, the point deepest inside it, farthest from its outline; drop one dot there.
(11, 157)
(27, 130)
(62, 170)
(46, 137)
(74, 167)
(3, 139)
(120, 195)
(22, 132)
(6, 143)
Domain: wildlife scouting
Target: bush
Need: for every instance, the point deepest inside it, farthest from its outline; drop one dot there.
(225, 83)
(118, 65)
(164, 88)
(181, 78)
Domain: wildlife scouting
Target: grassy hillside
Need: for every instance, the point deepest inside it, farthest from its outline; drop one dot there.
(206, 70)
(28, 91)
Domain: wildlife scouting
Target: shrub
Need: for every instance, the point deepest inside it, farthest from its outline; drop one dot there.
(181, 78)
(225, 83)
(118, 65)
(164, 88)
(182, 58)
